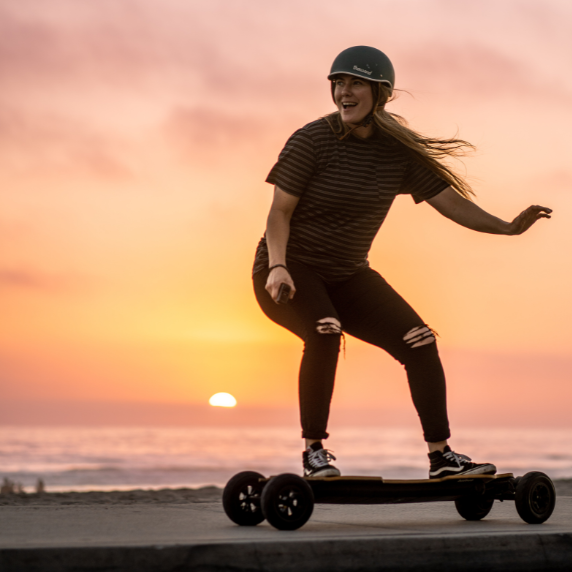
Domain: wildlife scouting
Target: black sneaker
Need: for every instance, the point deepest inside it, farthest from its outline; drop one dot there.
(316, 461)
(448, 463)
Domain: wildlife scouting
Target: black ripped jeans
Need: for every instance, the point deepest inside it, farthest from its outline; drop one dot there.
(368, 308)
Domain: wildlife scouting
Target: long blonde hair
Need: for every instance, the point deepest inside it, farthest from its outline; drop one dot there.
(428, 151)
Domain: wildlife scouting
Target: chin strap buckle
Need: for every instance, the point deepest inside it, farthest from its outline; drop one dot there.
(367, 121)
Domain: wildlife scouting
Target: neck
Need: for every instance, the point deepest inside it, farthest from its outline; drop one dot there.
(364, 129)
(365, 132)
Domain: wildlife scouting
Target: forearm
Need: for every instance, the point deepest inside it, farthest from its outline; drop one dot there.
(453, 206)
(277, 234)
(466, 213)
(474, 217)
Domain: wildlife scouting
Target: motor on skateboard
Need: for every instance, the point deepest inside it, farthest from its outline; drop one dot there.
(286, 501)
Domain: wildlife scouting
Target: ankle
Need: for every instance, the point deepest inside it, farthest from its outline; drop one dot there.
(437, 446)
(310, 442)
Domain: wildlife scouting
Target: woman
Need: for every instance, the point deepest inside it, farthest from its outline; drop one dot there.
(334, 183)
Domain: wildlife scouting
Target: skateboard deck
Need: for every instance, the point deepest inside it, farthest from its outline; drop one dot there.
(411, 481)
(376, 490)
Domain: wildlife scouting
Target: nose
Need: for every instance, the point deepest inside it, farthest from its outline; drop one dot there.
(346, 89)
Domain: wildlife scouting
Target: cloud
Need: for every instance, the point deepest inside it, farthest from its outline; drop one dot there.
(201, 133)
(214, 74)
(20, 279)
(256, 51)
(63, 41)
(215, 48)
(47, 142)
(474, 70)
(13, 278)
(558, 181)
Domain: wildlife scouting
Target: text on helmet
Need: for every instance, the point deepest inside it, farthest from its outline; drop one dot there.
(364, 71)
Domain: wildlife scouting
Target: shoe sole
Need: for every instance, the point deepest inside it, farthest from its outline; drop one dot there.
(482, 470)
(325, 473)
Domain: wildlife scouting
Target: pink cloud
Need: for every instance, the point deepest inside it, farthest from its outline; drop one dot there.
(14, 278)
(556, 181)
(66, 41)
(49, 142)
(476, 71)
(274, 55)
(207, 134)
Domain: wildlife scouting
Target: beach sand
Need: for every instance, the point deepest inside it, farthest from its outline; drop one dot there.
(154, 497)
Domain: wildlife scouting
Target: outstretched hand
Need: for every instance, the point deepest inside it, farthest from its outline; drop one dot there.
(527, 218)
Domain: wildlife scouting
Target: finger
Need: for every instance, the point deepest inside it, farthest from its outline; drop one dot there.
(277, 291)
(272, 289)
(542, 214)
(523, 223)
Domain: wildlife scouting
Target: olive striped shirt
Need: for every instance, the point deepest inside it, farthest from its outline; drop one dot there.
(346, 189)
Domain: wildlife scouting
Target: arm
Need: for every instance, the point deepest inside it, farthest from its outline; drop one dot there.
(466, 213)
(277, 234)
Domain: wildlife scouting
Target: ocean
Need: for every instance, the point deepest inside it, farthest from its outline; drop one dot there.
(111, 458)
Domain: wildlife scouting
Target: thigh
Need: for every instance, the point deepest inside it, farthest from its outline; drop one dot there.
(310, 304)
(371, 310)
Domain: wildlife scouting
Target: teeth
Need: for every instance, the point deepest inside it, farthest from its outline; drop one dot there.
(346, 105)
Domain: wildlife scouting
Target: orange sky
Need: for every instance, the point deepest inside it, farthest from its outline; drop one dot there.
(135, 138)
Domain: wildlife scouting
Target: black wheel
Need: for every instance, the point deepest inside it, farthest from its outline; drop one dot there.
(474, 507)
(241, 498)
(287, 502)
(535, 497)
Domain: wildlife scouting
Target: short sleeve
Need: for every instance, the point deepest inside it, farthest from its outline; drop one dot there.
(421, 183)
(296, 164)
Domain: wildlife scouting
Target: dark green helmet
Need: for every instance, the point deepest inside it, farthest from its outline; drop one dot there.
(368, 63)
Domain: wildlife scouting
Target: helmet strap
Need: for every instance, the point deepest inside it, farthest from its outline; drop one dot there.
(366, 121)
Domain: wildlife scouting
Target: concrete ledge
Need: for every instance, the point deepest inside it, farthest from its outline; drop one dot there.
(525, 552)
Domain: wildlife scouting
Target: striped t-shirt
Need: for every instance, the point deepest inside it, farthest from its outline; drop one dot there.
(345, 189)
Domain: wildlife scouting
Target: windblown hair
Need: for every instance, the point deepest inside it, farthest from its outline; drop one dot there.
(428, 151)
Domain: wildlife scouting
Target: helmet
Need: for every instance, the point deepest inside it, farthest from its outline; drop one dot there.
(368, 63)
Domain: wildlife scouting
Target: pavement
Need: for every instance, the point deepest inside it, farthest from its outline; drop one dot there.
(337, 538)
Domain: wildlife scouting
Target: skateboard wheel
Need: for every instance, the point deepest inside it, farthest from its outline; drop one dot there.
(241, 498)
(287, 502)
(535, 497)
(474, 507)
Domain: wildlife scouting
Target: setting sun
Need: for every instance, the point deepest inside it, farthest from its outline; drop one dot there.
(222, 400)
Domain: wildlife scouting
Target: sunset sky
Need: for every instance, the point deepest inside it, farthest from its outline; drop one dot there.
(135, 138)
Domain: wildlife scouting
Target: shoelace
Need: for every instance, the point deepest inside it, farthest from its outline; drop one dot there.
(457, 457)
(320, 458)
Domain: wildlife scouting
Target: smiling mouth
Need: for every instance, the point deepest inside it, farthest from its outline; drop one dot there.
(347, 105)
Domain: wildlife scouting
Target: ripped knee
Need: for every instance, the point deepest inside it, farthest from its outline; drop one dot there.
(328, 326)
(419, 336)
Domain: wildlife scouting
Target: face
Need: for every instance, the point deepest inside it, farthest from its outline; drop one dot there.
(354, 98)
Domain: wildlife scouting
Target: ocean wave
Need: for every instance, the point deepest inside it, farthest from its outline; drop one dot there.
(163, 457)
